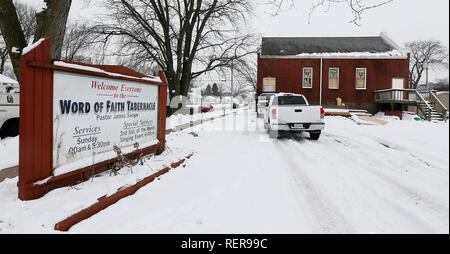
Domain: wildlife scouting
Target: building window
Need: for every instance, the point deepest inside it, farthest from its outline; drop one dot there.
(361, 78)
(333, 79)
(307, 77)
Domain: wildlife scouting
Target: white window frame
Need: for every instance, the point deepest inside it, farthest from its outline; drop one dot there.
(303, 77)
(365, 78)
(333, 68)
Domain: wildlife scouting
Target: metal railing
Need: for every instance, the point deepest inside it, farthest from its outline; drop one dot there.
(396, 96)
(427, 112)
(425, 94)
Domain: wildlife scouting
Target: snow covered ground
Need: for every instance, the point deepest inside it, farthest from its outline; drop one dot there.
(9, 152)
(390, 178)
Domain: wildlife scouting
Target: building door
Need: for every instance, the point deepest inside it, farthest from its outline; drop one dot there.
(398, 83)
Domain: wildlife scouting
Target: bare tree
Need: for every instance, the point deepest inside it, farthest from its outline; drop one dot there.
(81, 44)
(357, 7)
(425, 52)
(280, 6)
(247, 69)
(137, 63)
(184, 38)
(244, 78)
(51, 21)
(27, 19)
(3, 55)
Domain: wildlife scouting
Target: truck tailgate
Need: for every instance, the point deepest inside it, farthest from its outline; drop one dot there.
(298, 114)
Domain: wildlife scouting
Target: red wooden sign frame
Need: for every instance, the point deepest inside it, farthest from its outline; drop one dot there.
(36, 122)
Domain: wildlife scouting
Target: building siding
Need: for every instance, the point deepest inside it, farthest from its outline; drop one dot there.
(379, 75)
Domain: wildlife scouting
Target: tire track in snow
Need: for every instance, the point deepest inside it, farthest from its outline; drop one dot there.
(328, 216)
(422, 200)
(414, 194)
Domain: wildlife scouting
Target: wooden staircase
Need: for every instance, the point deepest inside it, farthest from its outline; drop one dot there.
(430, 112)
(426, 104)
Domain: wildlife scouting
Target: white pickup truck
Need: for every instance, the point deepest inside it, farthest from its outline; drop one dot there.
(9, 114)
(288, 112)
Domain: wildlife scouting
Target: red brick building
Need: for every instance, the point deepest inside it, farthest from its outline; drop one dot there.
(325, 68)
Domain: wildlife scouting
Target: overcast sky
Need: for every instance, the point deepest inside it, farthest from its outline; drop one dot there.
(402, 20)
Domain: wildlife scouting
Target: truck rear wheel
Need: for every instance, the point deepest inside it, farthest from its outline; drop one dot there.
(10, 128)
(273, 134)
(314, 135)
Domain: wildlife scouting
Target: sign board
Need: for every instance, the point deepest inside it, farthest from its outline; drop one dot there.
(92, 114)
(269, 84)
(73, 114)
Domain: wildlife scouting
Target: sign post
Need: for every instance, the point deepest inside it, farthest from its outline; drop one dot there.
(72, 115)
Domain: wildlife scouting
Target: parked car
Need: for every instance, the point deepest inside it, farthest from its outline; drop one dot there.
(288, 112)
(205, 109)
(261, 103)
(9, 114)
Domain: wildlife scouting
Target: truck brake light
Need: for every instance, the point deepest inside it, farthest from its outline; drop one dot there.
(274, 113)
(322, 111)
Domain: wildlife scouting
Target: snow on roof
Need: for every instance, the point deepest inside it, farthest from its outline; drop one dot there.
(89, 68)
(286, 94)
(391, 53)
(32, 46)
(345, 47)
(5, 79)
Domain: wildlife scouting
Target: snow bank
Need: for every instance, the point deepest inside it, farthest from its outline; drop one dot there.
(407, 116)
(410, 116)
(40, 216)
(9, 152)
(381, 115)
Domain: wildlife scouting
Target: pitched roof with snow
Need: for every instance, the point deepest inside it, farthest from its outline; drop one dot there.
(376, 46)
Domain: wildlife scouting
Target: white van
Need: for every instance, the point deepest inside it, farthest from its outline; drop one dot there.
(9, 114)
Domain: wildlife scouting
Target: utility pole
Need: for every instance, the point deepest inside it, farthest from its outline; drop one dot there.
(221, 93)
(232, 72)
(426, 69)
